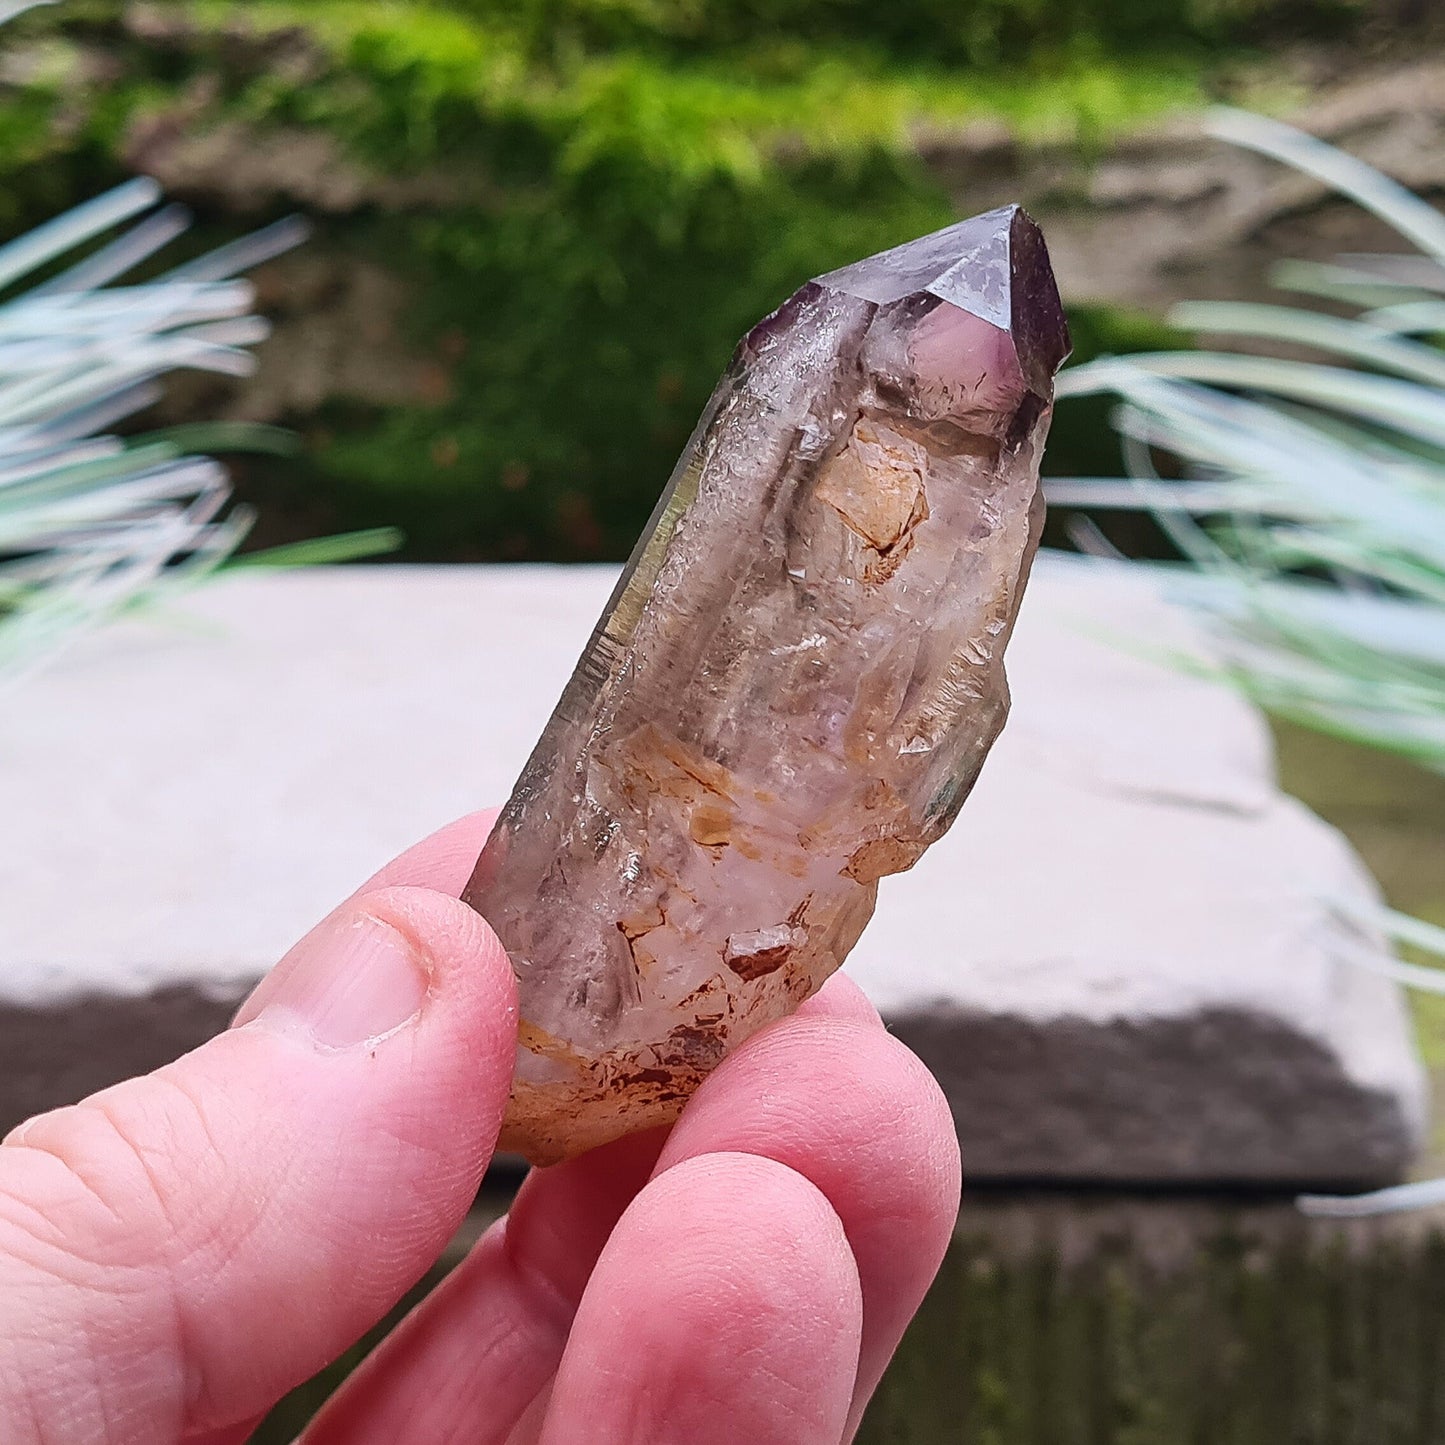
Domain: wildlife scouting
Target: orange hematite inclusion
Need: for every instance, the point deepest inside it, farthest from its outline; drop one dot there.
(793, 687)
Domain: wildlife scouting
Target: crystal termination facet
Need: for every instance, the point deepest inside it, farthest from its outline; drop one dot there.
(793, 687)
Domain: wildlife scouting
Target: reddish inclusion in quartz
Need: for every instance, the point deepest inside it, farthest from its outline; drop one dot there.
(793, 687)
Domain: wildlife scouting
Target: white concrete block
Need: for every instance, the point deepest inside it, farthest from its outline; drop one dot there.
(1121, 962)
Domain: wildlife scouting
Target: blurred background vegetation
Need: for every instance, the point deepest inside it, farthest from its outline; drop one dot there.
(537, 230)
(541, 226)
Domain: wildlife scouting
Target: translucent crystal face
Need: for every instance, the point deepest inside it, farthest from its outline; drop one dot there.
(793, 687)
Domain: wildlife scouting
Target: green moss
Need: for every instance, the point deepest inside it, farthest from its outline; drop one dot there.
(430, 74)
(576, 370)
(1245, 1335)
(984, 33)
(644, 217)
(1237, 1345)
(636, 182)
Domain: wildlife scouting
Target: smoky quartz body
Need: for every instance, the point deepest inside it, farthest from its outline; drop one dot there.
(793, 687)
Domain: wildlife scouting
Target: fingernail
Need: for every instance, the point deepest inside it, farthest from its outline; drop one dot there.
(351, 981)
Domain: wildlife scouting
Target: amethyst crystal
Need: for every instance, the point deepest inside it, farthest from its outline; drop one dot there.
(793, 686)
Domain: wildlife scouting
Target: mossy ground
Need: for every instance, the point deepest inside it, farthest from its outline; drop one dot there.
(635, 182)
(1140, 1322)
(1239, 1344)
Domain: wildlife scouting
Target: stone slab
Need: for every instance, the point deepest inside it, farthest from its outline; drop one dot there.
(1122, 962)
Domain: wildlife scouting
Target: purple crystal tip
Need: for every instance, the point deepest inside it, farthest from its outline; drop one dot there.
(994, 266)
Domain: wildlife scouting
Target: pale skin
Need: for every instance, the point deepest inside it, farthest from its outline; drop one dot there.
(179, 1251)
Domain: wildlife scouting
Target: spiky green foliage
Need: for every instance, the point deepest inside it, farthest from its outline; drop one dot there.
(1307, 497)
(90, 523)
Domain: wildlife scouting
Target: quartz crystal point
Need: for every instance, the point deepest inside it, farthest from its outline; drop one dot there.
(793, 687)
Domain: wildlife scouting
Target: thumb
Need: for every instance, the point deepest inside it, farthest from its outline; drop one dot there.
(178, 1251)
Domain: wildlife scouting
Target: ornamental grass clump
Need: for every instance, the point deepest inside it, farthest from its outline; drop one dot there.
(1306, 498)
(91, 523)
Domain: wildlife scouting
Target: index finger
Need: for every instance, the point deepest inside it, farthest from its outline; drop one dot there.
(851, 1109)
(488, 1339)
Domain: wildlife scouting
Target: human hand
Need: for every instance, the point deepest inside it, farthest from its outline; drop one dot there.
(180, 1250)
